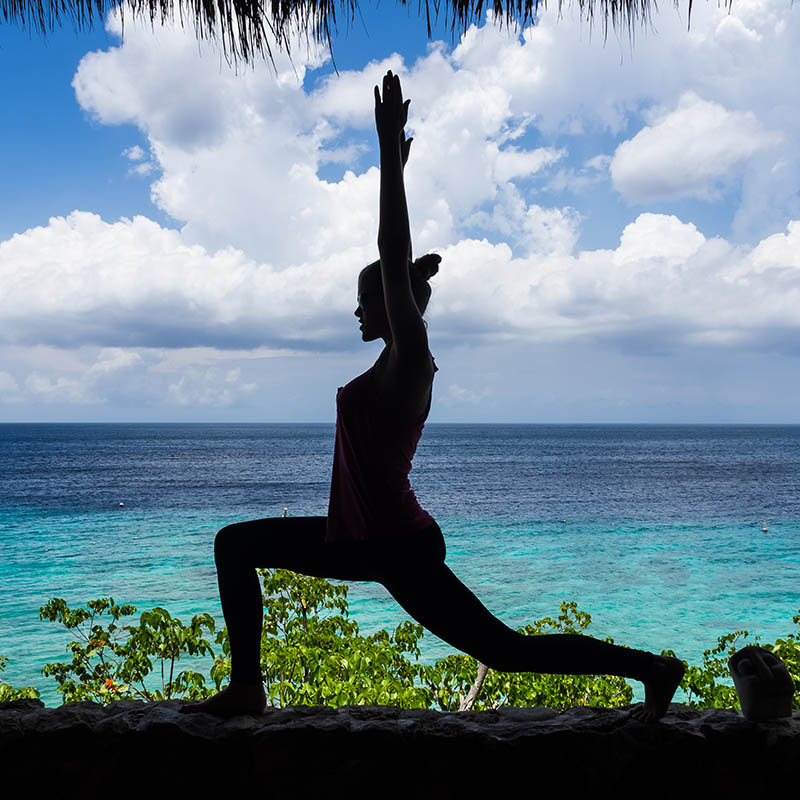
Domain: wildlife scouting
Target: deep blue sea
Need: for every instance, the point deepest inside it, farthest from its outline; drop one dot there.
(656, 531)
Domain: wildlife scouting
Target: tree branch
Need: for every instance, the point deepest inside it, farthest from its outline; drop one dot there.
(467, 702)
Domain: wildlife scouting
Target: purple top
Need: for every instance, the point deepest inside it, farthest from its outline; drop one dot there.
(371, 496)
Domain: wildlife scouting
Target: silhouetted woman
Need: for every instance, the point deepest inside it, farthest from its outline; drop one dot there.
(375, 529)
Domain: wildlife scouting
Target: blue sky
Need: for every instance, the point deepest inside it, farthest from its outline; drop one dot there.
(619, 225)
(64, 161)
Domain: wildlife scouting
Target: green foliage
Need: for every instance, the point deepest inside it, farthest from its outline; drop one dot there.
(788, 650)
(8, 693)
(111, 662)
(710, 686)
(313, 654)
(451, 678)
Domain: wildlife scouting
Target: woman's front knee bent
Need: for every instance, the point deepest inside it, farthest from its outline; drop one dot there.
(227, 542)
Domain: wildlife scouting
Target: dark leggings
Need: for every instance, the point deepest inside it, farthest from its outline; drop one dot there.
(412, 569)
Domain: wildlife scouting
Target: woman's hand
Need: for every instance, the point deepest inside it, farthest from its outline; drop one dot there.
(391, 115)
(405, 146)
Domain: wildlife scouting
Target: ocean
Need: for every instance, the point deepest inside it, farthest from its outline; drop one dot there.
(654, 530)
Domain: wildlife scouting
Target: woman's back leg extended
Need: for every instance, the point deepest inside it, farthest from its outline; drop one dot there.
(436, 598)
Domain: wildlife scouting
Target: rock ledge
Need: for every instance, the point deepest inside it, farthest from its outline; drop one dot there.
(367, 751)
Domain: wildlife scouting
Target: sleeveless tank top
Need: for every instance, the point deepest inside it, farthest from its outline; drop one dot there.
(371, 496)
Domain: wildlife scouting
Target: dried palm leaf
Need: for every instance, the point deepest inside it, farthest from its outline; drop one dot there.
(247, 28)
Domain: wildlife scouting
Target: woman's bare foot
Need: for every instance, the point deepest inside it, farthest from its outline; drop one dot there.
(659, 688)
(233, 700)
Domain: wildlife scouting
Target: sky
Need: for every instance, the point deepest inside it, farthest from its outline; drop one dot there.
(619, 221)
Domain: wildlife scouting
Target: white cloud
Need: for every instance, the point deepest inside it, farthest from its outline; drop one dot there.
(174, 360)
(656, 236)
(780, 251)
(92, 376)
(511, 163)
(698, 150)
(88, 384)
(132, 283)
(460, 394)
(60, 389)
(81, 280)
(209, 387)
(134, 153)
(663, 285)
(111, 360)
(143, 169)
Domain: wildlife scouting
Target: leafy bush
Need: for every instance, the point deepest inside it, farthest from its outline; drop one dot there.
(313, 654)
(788, 650)
(8, 693)
(111, 662)
(711, 686)
(451, 678)
(702, 685)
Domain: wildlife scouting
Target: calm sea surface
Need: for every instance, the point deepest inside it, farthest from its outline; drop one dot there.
(656, 531)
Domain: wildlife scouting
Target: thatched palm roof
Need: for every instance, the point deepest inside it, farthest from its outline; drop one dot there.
(244, 26)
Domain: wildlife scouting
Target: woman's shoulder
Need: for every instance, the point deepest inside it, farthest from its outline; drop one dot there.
(391, 365)
(403, 388)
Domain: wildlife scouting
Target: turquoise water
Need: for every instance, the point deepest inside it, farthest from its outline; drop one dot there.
(650, 575)
(651, 588)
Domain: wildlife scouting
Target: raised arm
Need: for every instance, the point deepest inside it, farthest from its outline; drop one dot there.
(409, 337)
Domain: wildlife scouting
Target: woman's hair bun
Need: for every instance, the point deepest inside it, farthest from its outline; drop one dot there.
(427, 266)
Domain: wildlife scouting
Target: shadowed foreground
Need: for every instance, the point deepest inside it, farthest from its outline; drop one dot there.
(367, 751)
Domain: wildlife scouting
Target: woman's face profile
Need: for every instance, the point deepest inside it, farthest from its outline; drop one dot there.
(371, 310)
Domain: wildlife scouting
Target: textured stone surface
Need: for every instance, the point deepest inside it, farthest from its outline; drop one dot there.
(131, 746)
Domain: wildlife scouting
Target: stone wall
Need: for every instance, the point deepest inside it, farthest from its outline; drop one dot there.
(131, 747)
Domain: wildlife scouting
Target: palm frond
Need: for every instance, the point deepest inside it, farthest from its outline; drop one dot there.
(249, 28)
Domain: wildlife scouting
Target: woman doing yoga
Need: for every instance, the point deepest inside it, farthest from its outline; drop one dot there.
(375, 529)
